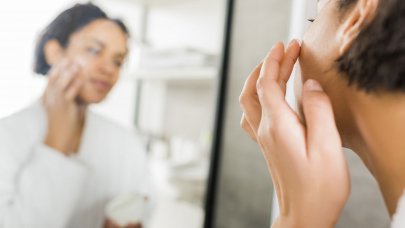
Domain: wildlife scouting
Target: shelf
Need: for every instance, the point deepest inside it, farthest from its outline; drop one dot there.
(190, 74)
(154, 3)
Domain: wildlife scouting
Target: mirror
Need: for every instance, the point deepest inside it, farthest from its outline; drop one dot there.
(241, 193)
(167, 91)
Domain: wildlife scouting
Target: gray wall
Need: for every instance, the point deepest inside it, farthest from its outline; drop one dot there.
(244, 191)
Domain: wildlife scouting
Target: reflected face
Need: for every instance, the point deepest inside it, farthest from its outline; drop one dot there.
(100, 47)
(320, 50)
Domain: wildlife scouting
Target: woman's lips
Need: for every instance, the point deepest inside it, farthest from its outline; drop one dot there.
(100, 85)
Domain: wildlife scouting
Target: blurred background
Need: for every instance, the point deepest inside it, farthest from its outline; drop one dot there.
(168, 92)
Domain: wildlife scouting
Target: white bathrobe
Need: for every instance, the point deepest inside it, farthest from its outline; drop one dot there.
(42, 188)
(399, 217)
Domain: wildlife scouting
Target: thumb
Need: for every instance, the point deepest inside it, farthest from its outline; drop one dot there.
(322, 133)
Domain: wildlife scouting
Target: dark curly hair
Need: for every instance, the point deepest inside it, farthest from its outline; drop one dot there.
(64, 25)
(376, 59)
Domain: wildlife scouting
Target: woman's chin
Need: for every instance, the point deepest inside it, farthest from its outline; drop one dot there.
(91, 98)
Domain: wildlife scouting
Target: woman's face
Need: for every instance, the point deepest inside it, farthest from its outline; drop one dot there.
(100, 48)
(320, 50)
(320, 43)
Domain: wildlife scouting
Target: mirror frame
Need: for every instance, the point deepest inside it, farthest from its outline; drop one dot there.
(215, 160)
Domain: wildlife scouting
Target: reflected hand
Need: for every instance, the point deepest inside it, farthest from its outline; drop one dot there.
(63, 111)
(304, 157)
(111, 224)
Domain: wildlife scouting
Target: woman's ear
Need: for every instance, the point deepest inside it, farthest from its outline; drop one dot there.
(358, 17)
(53, 52)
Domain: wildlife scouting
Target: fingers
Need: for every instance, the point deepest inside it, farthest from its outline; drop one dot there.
(250, 84)
(53, 76)
(271, 95)
(67, 76)
(74, 89)
(290, 58)
(56, 70)
(265, 86)
(248, 128)
(261, 84)
(64, 80)
(322, 133)
(134, 226)
(274, 58)
(249, 101)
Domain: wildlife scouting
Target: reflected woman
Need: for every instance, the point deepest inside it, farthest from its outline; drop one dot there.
(60, 163)
(352, 61)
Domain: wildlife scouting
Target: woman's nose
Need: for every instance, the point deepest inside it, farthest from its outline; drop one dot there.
(107, 66)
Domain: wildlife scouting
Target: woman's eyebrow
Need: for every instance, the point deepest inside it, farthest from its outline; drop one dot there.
(94, 40)
(102, 45)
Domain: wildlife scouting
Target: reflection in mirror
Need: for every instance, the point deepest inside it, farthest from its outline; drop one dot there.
(115, 127)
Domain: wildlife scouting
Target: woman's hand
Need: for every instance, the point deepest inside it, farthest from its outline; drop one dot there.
(111, 224)
(65, 115)
(304, 157)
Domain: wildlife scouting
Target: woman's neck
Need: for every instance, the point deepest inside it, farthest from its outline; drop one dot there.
(380, 141)
(82, 121)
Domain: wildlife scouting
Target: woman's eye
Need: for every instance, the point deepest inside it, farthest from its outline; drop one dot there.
(94, 51)
(311, 20)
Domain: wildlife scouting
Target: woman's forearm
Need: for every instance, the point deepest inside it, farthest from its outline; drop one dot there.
(295, 222)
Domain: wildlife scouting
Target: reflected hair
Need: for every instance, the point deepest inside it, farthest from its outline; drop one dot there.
(375, 61)
(64, 25)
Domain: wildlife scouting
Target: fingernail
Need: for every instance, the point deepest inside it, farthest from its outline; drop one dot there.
(313, 85)
(294, 41)
(276, 45)
(291, 43)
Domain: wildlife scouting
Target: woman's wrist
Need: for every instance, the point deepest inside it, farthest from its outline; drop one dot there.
(303, 222)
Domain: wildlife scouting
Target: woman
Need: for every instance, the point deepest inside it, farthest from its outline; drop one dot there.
(352, 62)
(60, 163)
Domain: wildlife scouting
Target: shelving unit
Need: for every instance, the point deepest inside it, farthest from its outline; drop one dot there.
(200, 76)
(176, 74)
(155, 3)
(163, 81)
